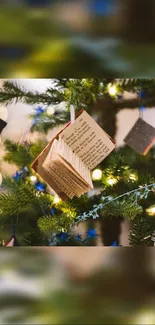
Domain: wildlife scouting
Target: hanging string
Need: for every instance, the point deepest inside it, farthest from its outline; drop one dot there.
(14, 224)
(72, 114)
(24, 137)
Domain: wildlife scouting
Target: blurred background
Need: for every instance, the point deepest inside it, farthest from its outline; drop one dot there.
(48, 38)
(90, 285)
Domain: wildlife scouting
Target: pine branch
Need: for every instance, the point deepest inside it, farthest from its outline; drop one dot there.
(141, 231)
(47, 122)
(12, 92)
(22, 154)
(48, 224)
(126, 209)
(18, 199)
(22, 197)
(134, 103)
(135, 85)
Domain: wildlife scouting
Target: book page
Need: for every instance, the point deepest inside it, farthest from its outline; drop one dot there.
(75, 165)
(87, 140)
(38, 167)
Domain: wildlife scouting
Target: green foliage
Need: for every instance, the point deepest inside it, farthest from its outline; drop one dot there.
(119, 170)
(141, 231)
(46, 122)
(21, 199)
(125, 208)
(12, 92)
(135, 85)
(34, 238)
(22, 154)
(79, 92)
(24, 202)
(49, 224)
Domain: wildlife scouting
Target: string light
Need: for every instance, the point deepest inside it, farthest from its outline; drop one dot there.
(112, 89)
(33, 179)
(112, 181)
(97, 174)
(50, 110)
(145, 317)
(151, 210)
(133, 177)
(56, 199)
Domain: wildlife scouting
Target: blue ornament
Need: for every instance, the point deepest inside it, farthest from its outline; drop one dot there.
(79, 237)
(119, 96)
(142, 94)
(39, 111)
(40, 187)
(35, 121)
(115, 244)
(91, 233)
(52, 211)
(17, 176)
(63, 236)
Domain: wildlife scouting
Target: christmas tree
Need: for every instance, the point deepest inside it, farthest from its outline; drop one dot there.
(124, 182)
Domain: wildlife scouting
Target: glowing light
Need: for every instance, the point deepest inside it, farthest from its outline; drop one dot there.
(97, 175)
(112, 89)
(151, 210)
(33, 179)
(112, 181)
(50, 110)
(133, 177)
(56, 199)
(147, 317)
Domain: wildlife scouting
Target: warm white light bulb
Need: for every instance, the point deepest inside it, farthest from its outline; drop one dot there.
(97, 175)
(133, 177)
(112, 90)
(50, 110)
(33, 179)
(56, 199)
(151, 211)
(112, 181)
(145, 318)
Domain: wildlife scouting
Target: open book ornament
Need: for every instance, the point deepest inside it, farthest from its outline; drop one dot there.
(141, 137)
(66, 162)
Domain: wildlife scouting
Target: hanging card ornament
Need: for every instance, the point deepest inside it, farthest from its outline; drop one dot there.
(3, 118)
(2, 125)
(12, 242)
(141, 137)
(66, 162)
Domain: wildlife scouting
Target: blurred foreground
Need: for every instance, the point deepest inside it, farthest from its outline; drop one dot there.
(77, 286)
(77, 38)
